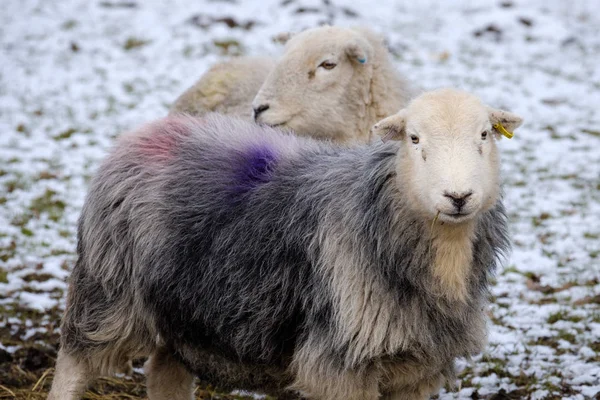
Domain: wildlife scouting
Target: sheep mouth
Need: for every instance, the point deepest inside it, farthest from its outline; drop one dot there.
(271, 125)
(279, 121)
(457, 216)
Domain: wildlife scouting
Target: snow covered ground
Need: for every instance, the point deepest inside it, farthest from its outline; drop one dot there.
(76, 73)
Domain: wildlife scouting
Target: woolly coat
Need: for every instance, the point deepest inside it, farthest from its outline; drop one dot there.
(264, 260)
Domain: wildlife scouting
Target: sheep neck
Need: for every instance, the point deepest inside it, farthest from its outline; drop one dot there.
(452, 258)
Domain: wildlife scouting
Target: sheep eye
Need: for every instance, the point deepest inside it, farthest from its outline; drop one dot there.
(414, 138)
(484, 135)
(328, 65)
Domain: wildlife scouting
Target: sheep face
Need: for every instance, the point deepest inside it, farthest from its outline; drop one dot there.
(448, 158)
(317, 83)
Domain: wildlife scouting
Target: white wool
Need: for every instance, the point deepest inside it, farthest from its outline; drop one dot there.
(338, 100)
(227, 88)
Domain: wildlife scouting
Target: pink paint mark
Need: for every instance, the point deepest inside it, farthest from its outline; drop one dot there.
(159, 140)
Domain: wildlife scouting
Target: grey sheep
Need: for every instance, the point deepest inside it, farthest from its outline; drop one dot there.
(268, 262)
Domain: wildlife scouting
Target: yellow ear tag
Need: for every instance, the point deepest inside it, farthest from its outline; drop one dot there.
(498, 126)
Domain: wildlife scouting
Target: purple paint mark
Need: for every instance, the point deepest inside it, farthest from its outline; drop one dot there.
(254, 168)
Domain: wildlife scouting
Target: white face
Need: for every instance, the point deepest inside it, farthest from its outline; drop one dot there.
(453, 167)
(311, 80)
(448, 160)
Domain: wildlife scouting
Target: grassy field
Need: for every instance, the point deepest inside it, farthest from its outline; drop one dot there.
(74, 74)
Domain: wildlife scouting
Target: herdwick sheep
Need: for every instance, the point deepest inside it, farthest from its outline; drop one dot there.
(331, 83)
(269, 262)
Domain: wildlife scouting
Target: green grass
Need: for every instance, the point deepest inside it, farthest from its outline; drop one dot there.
(562, 316)
(65, 134)
(134, 43)
(47, 203)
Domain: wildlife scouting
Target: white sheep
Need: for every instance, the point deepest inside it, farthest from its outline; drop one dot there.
(281, 264)
(331, 83)
(227, 88)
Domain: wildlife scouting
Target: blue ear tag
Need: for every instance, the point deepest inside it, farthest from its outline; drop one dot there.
(362, 60)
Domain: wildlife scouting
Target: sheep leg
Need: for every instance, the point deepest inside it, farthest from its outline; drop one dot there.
(71, 378)
(422, 391)
(404, 395)
(167, 379)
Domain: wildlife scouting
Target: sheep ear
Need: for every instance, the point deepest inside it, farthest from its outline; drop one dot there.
(506, 119)
(359, 50)
(283, 37)
(391, 128)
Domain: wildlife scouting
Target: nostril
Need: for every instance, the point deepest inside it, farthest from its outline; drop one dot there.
(258, 110)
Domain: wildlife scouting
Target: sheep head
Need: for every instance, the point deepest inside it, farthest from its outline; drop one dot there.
(321, 84)
(448, 160)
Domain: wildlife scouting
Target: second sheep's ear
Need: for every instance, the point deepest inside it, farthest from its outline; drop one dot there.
(508, 120)
(358, 49)
(391, 128)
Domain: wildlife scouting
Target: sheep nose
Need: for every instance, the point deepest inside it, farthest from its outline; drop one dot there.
(458, 199)
(258, 110)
